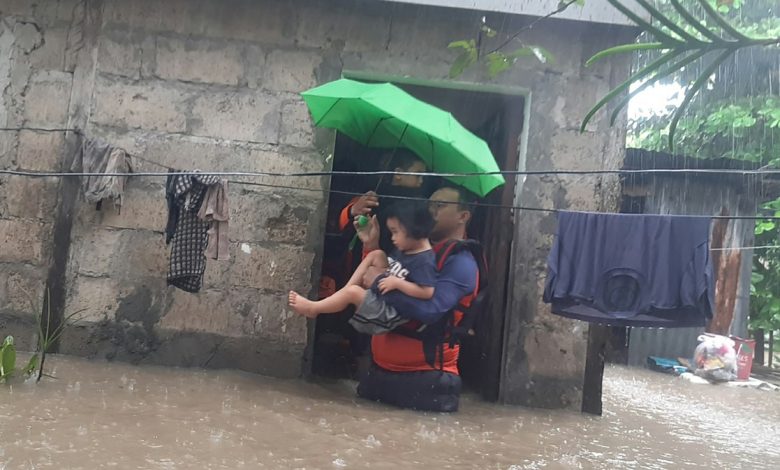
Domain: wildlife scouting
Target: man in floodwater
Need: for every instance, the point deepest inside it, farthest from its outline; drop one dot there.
(401, 373)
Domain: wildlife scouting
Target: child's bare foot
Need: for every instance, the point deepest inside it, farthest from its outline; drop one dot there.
(301, 305)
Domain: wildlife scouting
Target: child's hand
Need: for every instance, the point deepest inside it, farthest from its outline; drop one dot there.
(388, 284)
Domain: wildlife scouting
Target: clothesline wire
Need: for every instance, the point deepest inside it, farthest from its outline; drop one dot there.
(757, 172)
(313, 174)
(330, 191)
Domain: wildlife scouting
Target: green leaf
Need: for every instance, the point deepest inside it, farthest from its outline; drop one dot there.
(465, 59)
(489, 32)
(7, 358)
(468, 45)
(497, 63)
(522, 52)
(543, 55)
(720, 21)
(639, 21)
(623, 49)
(764, 226)
(705, 75)
(659, 76)
(691, 20)
(31, 365)
(648, 70)
(664, 20)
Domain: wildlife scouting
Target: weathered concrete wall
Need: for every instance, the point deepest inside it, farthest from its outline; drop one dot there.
(214, 85)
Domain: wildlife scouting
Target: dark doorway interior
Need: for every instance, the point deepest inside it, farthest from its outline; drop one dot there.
(498, 119)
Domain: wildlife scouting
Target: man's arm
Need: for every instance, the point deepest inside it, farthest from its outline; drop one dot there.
(392, 283)
(457, 279)
(362, 205)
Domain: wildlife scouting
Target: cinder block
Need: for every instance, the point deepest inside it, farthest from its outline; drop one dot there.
(202, 61)
(147, 105)
(254, 63)
(97, 299)
(125, 255)
(267, 22)
(262, 217)
(22, 241)
(253, 117)
(47, 99)
(143, 207)
(40, 151)
(297, 127)
(27, 36)
(120, 53)
(50, 55)
(279, 269)
(29, 198)
(291, 71)
(206, 312)
(359, 27)
(273, 319)
(207, 154)
(22, 288)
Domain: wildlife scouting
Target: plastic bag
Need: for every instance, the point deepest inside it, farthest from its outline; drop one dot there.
(715, 358)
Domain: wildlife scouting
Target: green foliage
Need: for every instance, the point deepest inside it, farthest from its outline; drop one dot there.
(742, 129)
(467, 56)
(765, 285)
(47, 335)
(7, 359)
(496, 60)
(683, 38)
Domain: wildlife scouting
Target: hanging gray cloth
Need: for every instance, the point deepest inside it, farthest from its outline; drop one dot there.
(186, 232)
(631, 270)
(98, 156)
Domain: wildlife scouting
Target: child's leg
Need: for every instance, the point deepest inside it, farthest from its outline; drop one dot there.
(374, 264)
(349, 295)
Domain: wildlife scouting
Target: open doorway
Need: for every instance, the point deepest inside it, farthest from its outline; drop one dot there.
(498, 118)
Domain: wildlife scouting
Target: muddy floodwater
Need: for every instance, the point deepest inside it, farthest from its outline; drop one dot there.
(108, 415)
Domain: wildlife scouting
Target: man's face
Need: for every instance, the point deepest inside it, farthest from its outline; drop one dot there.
(446, 212)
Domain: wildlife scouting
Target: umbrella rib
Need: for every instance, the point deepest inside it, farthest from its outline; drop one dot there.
(327, 112)
(373, 133)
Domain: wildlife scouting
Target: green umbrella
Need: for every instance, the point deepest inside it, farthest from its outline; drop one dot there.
(384, 116)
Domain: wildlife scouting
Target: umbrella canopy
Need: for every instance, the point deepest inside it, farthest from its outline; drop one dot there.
(384, 116)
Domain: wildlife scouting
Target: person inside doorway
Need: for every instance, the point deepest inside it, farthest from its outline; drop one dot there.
(399, 185)
(374, 203)
(401, 371)
(410, 269)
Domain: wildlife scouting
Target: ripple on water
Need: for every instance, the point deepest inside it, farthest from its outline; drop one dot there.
(154, 418)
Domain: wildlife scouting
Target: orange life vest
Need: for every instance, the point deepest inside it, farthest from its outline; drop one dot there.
(417, 347)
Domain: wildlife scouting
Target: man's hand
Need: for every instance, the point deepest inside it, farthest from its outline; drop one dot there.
(388, 284)
(368, 235)
(364, 204)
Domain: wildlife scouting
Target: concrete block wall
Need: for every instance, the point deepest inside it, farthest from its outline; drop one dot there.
(200, 90)
(35, 83)
(214, 85)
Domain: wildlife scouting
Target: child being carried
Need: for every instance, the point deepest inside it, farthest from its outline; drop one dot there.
(410, 269)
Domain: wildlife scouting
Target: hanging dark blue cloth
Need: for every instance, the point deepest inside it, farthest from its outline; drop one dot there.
(631, 270)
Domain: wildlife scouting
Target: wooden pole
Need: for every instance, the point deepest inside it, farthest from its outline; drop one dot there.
(758, 336)
(598, 335)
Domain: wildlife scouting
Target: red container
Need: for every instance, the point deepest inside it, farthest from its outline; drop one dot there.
(745, 351)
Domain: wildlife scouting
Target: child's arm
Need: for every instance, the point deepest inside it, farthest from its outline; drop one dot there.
(391, 283)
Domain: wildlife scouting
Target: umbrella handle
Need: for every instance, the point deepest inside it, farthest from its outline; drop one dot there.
(362, 223)
(353, 242)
